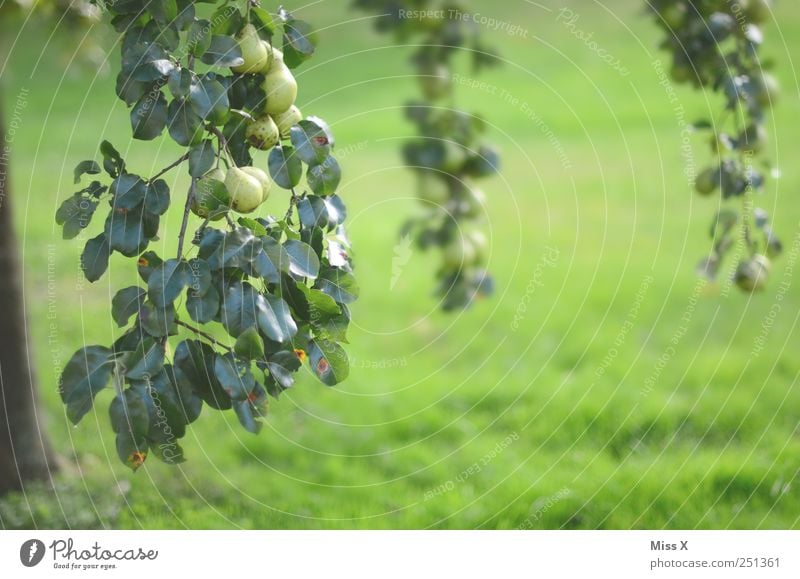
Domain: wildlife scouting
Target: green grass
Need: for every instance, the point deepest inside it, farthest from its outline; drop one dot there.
(603, 433)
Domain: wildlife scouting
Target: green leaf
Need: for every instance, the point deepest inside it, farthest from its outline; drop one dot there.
(149, 117)
(285, 167)
(235, 376)
(185, 126)
(328, 361)
(209, 99)
(94, 259)
(249, 345)
(86, 167)
(311, 142)
(131, 451)
(168, 281)
(239, 308)
(201, 158)
(145, 361)
(128, 191)
(282, 367)
(128, 413)
(203, 308)
(156, 321)
(319, 302)
(299, 41)
(250, 412)
(86, 373)
(156, 199)
(164, 11)
(125, 231)
(75, 214)
(275, 318)
(338, 284)
(146, 263)
(126, 303)
(113, 163)
(303, 259)
(179, 82)
(223, 51)
(323, 179)
(194, 368)
(199, 37)
(200, 275)
(271, 261)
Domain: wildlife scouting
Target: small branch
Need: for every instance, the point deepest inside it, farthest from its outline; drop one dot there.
(292, 204)
(187, 208)
(202, 334)
(222, 140)
(169, 167)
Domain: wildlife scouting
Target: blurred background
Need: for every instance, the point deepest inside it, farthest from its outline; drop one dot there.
(603, 386)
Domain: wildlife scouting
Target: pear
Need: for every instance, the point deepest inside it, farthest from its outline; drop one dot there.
(263, 178)
(458, 253)
(262, 133)
(473, 204)
(707, 181)
(246, 191)
(480, 245)
(254, 51)
(752, 275)
(432, 188)
(287, 120)
(281, 89)
(211, 199)
(274, 59)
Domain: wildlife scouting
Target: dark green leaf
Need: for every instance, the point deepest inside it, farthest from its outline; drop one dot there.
(149, 116)
(249, 345)
(130, 450)
(147, 262)
(235, 376)
(128, 191)
(203, 308)
(275, 319)
(168, 281)
(199, 37)
(194, 367)
(179, 82)
(185, 126)
(285, 167)
(209, 99)
(156, 321)
(323, 179)
(250, 412)
(86, 167)
(282, 367)
(223, 51)
(299, 41)
(94, 259)
(86, 373)
(311, 142)
(328, 361)
(128, 413)
(338, 284)
(75, 214)
(302, 258)
(126, 303)
(125, 231)
(201, 158)
(271, 261)
(156, 199)
(145, 361)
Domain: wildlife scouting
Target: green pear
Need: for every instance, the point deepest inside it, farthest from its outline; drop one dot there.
(281, 89)
(707, 181)
(254, 51)
(246, 191)
(274, 60)
(480, 245)
(436, 82)
(752, 275)
(287, 120)
(263, 178)
(433, 188)
(211, 200)
(262, 133)
(768, 90)
(458, 253)
(473, 204)
(753, 139)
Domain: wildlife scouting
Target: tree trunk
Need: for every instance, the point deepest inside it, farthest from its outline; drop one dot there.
(25, 452)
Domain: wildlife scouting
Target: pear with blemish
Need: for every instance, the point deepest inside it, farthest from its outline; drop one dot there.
(262, 133)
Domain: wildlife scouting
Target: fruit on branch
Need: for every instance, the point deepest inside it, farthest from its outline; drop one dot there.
(436, 82)
(433, 188)
(752, 274)
(211, 200)
(263, 179)
(280, 87)
(753, 139)
(245, 190)
(255, 51)
(262, 133)
(707, 181)
(757, 11)
(287, 119)
(768, 90)
(458, 253)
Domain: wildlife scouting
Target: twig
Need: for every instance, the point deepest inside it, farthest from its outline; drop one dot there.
(185, 222)
(169, 167)
(203, 334)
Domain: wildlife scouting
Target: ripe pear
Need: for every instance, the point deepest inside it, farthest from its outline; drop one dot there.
(211, 200)
(262, 133)
(281, 89)
(287, 120)
(263, 178)
(275, 58)
(752, 275)
(246, 191)
(254, 51)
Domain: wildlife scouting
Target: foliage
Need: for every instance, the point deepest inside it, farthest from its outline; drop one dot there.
(451, 150)
(259, 296)
(715, 46)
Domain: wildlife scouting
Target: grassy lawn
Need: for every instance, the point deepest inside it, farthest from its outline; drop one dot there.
(625, 394)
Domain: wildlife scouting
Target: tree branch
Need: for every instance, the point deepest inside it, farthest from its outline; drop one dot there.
(169, 167)
(185, 222)
(202, 334)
